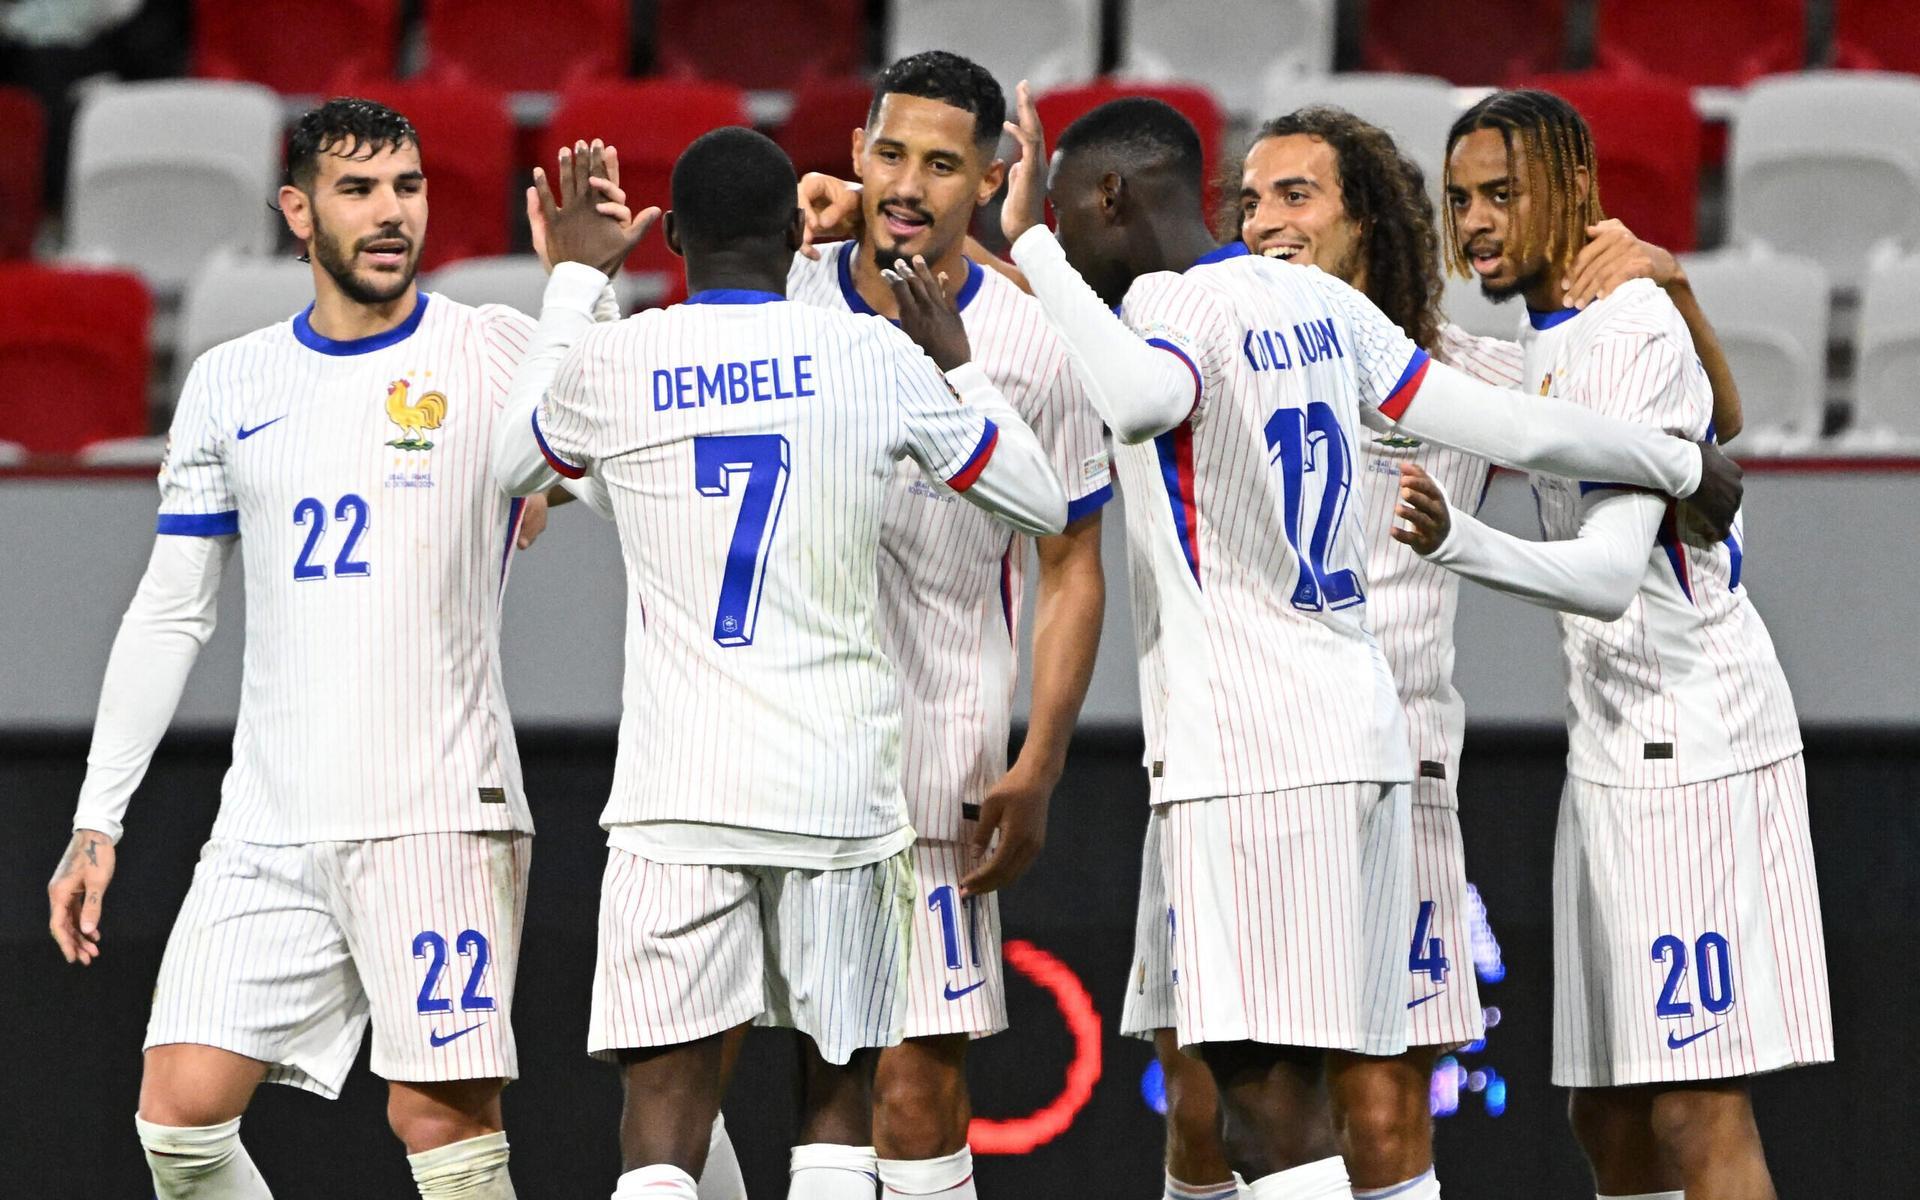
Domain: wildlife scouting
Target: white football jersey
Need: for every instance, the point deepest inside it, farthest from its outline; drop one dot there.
(749, 444)
(1273, 680)
(1137, 473)
(376, 547)
(1411, 602)
(952, 577)
(1685, 686)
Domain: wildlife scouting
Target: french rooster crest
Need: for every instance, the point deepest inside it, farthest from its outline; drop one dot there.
(414, 417)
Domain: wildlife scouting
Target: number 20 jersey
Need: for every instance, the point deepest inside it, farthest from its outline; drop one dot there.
(375, 546)
(1255, 526)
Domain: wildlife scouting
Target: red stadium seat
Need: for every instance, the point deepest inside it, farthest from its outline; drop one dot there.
(294, 45)
(1060, 107)
(507, 44)
(467, 148)
(1489, 41)
(650, 121)
(23, 144)
(73, 356)
(1723, 43)
(1877, 35)
(1650, 142)
(767, 44)
(818, 135)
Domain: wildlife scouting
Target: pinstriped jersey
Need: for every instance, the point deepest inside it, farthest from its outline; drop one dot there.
(748, 444)
(1136, 473)
(1411, 602)
(376, 548)
(952, 577)
(1685, 686)
(1273, 680)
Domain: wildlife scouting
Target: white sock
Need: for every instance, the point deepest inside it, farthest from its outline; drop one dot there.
(825, 1171)
(474, 1169)
(950, 1177)
(205, 1162)
(1323, 1180)
(1645, 1196)
(658, 1182)
(1424, 1186)
(1226, 1189)
(720, 1179)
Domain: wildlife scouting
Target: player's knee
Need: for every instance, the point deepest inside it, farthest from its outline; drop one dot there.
(427, 1116)
(1690, 1124)
(920, 1108)
(1193, 1107)
(1383, 1132)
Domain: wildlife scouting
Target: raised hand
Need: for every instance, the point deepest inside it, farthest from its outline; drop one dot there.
(1611, 257)
(1026, 202)
(832, 208)
(927, 312)
(1423, 506)
(589, 221)
(1016, 809)
(76, 892)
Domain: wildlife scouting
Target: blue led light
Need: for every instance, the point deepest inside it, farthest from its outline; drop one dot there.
(1496, 1095)
(1153, 1087)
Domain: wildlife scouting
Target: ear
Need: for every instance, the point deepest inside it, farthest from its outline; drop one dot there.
(1113, 192)
(670, 229)
(996, 174)
(297, 209)
(1582, 185)
(859, 149)
(797, 231)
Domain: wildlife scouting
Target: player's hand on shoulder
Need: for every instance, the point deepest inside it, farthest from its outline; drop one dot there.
(1613, 256)
(1426, 519)
(1026, 202)
(832, 209)
(1016, 809)
(75, 895)
(582, 215)
(1709, 512)
(927, 312)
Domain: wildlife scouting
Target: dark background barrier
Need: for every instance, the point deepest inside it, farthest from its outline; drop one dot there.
(70, 1039)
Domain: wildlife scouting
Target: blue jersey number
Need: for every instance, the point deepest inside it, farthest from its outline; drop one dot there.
(312, 512)
(1429, 953)
(1715, 960)
(433, 947)
(762, 458)
(1304, 441)
(944, 901)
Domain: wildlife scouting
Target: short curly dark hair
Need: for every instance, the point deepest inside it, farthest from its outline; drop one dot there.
(951, 79)
(1385, 192)
(346, 124)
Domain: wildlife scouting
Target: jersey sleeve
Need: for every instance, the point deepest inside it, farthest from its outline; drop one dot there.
(565, 422)
(1649, 380)
(1389, 365)
(505, 335)
(1075, 440)
(950, 438)
(1178, 316)
(196, 496)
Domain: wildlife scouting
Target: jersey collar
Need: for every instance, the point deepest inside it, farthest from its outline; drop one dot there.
(1233, 249)
(858, 303)
(304, 332)
(1550, 318)
(733, 296)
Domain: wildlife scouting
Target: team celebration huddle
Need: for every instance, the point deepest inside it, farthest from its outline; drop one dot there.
(824, 467)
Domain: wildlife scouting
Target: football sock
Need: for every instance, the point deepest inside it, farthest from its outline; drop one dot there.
(1424, 1186)
(1226, 1189)
(204, 1162)
(720, 1179)
(658, 1182)
(949, 1177)
(474, 1169)
(826, 1171)
(1323, 1180)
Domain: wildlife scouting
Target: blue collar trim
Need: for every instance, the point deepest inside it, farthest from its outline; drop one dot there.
(855, 301)
(733, 296)
(1547, 320)
(1233, 249)
(304, 332)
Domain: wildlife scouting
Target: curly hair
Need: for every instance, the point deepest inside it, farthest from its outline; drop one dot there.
(347, 126)
(951, 79)
(1385, 193)
(1556, 145)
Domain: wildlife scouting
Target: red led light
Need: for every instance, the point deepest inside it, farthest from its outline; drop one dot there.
(1019, 1135)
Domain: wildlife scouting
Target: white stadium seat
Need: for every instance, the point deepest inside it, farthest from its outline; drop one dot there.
(1770, 312)
(515, 280)
(1885, 406)
(234, 294)
(1827, 164)
(1416, 109)
(1047, 42)
(165, 173)
(1234, 45)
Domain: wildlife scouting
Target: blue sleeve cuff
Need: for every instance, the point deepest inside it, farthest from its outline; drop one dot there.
(1092, 502)
(220, 524)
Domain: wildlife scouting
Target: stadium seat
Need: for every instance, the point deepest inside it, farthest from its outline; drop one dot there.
(1046, 42)
(295, 45)
(467, 147)
(1061, 107)
(23, 146)
(1770, 313)
(766, 44)
(1723, 43)
(515, 280)
(1416, 109)
(1877, 35)
(1232, 44)
(818, 134)
(232, 295)
(165, 173)
(73, 356)
(1489, 41)
(506, 45)
(650, 121)
(1885, 406)
(1650, 140)
(1827, 164)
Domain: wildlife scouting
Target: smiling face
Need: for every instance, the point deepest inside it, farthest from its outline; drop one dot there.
(1291, 206)
(923, 176)
(363, 219)
(1490, 197)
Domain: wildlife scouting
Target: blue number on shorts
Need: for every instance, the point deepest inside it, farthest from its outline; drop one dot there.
(1672, 951)
(310, 510)
(424, 941)
(313, 512)
(1429, 954)
(1312, 440)
(941, 900)
(346, 566)
(1173, 928)
(763, 457)
(473, 942)
(1716, 972)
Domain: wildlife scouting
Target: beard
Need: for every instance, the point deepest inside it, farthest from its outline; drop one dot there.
(1526, 282)
(336, 260)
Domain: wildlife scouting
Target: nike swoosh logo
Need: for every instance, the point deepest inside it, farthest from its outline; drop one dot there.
(972, 987)
(1674, 1042)
(436, 1041)
(246, 433)
(1425, 998)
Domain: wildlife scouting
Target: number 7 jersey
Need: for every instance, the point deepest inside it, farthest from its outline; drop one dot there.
(376, 548)
(1255, 527)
